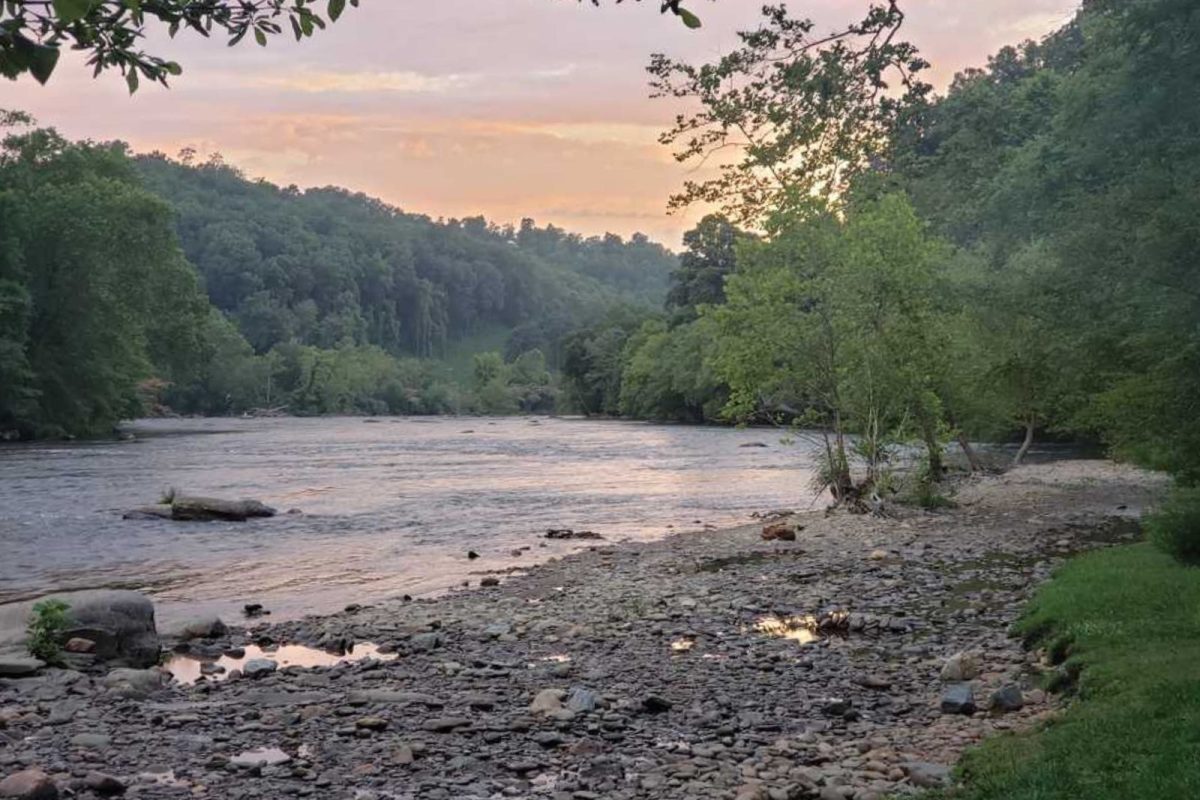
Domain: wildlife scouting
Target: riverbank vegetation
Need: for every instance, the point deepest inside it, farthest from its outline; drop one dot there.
(1123, 622)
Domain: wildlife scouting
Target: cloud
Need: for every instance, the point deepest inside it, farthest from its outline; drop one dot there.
(403, 82)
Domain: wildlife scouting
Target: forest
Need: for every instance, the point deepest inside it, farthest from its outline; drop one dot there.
(182, 287)
(1013, 259)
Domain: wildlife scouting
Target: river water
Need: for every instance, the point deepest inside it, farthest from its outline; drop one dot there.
(390, 505)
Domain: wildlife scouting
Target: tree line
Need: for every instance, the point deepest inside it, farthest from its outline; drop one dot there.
(144, 284)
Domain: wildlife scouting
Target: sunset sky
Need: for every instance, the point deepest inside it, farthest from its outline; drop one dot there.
(507, 108)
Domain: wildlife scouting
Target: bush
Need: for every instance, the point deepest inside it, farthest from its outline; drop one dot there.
(45, 630)
(1175, 527)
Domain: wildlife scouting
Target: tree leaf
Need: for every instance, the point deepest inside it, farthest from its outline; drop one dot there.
(260, 37)
(689, 19)
(131, 80)
(72, 10)
(336, 7)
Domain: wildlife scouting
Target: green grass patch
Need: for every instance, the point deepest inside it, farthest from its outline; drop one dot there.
(1127, 622)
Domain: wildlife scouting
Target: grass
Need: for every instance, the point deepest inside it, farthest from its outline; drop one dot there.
(1127, 622)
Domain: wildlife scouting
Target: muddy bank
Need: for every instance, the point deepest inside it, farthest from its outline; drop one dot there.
(709, 664)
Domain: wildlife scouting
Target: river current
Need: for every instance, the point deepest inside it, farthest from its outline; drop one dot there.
(390, 506)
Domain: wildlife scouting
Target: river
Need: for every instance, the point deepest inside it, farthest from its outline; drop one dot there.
(390, 506)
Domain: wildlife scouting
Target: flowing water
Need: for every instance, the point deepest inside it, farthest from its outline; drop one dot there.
(390, 506)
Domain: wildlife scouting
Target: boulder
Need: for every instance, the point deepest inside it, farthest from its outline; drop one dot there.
(29, 784)
(961, 667)
(103, 785)
(1007, 698)
(567, 533)
(192, 508)
(120, 624)
(547, 701)
(959, 698)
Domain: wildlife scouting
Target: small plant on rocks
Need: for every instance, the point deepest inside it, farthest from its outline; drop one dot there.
(45, 630)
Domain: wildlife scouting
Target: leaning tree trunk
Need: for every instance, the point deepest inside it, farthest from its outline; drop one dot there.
(972, 457)
(1029, 426)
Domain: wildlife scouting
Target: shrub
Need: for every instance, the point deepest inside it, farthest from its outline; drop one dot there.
(45, 630)
(1175, 527)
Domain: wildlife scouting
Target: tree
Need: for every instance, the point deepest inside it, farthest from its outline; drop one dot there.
(805, 113)
(32, 32)
(707, 260)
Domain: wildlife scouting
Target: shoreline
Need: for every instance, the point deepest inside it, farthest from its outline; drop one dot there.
(641, 669)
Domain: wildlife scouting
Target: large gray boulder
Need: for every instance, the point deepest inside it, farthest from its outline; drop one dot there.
(120, 623)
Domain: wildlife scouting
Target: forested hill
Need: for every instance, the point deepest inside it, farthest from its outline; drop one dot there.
(138, 284)
(327, 267)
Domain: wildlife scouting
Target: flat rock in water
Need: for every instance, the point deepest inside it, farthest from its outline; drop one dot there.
(191, 508)
(257, 667)
(161, 511)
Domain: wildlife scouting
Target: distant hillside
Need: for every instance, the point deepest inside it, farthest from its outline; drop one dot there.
(326, 267)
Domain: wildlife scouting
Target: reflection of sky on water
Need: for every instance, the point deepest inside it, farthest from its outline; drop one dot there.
(390, 507)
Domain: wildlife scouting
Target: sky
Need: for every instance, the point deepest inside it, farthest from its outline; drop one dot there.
(454, 108)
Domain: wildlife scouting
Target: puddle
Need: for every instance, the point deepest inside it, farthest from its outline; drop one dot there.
(188, 669)
(800, 629)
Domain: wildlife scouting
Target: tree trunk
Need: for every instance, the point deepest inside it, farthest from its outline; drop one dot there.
(1029, 425)
(972, 457)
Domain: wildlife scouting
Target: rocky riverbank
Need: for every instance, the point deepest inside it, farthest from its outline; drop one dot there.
(858, 660)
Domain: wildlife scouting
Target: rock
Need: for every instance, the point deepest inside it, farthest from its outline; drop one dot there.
(876, 682)
(372, 724)
(445, 724)
(19, 665)
(582, 700)
(120, 624)
(549, 739)
(753, 444)
(567, 533)
(927, 776)
(959, 698)
(261, 757)
(653, 704)
(103, 785)
(91, 741)
(487, 582)
(878, 555)
(547, 701)
(162, 511)
(252, 610)
(1007, 698)
(472, 555)
(836, 707)
(258, 667)
(961, 667)
(200, 628)
(135, 683)
(779, 532)
(30, 784)
(192, 508)
(426, 641)
(78, 644)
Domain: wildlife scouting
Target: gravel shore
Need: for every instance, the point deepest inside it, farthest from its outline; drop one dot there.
(856, 661)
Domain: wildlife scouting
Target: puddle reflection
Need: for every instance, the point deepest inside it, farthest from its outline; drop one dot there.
(187, 669)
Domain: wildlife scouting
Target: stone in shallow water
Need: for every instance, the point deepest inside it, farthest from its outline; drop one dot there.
(958, 698)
